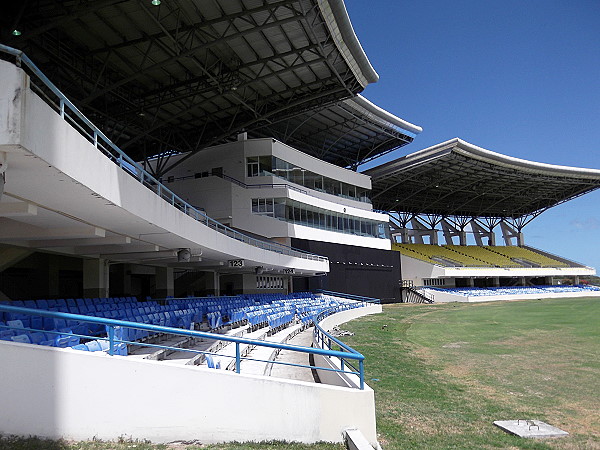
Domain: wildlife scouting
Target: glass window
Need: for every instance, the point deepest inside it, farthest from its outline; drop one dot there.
(297, 175)
(280, 208)
(310, 217)
(303, 214)
(265, 165)
(253, 166)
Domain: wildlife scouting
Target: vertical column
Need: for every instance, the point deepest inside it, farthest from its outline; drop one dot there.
(212, 283)
(495, 281)
(576, 279)
(165, 284)
(520, 239)
(53, 276)
(433, 237)
(121, 280)
(95, 278)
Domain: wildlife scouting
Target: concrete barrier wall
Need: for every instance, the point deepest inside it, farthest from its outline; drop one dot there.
(445, 297)
(64, 393)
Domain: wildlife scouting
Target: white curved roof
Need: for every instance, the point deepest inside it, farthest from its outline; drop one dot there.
(340, 27)
(456, 178)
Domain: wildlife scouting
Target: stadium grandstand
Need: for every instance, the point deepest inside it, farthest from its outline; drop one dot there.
(462, 195)
(110, 108)
(182, 221)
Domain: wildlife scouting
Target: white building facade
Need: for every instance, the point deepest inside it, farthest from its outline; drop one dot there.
(270, 189)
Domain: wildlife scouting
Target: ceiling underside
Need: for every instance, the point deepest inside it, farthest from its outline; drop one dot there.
(455, 184)
(186, 75)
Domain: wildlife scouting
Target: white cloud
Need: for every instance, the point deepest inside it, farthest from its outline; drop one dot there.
(591, 223)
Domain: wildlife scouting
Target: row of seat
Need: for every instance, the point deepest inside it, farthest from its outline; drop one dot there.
(515, 290)
(271, 310)
(478, 256)
(102, 345)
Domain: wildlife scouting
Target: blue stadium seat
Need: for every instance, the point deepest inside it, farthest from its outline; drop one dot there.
(80, 347)
(43, 304)
(30, 304)
(93, 346)
(6, 335)
(23, 338)
(211, 363)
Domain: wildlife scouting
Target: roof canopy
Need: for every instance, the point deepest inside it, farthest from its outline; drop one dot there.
(187, 75)
(456, 178)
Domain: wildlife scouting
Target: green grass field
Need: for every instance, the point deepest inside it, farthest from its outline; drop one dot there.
(443, 373)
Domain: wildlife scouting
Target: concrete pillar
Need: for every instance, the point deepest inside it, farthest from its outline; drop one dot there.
(433, 237)
(121, 280)
(165, 283)
(462, 236)
(576, 279)
(496, 281)
(212, 283)
(95, 278)
(404, 237)
(53, 276)
(471, 281)
(520, 239)
(523, 281)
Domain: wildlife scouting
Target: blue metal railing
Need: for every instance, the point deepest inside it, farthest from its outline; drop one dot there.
(345, 354)
(322, 339)
(69, 112)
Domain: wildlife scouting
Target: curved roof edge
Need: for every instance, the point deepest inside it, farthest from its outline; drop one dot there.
(336, 17)
(383, 116)
(473, 151)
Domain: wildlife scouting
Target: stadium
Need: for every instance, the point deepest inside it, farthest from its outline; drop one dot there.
(181, 205)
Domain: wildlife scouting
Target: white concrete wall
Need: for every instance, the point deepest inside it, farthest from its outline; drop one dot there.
(230, 157)
(13, 85)
(68, 174)
(416, 270)
(213, 194)
(64, 393)
(446, 297)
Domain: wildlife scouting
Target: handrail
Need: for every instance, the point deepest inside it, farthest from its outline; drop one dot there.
(241, 183)
(321, 336)
(112, 323)
(101, 142)
(361, 298)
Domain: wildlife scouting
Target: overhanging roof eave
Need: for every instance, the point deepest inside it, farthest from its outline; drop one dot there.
(458, 178)
(474, 152)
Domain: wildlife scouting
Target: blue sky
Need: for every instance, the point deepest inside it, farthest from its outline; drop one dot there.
(520, 78)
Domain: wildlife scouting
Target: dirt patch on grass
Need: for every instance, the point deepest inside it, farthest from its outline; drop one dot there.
(459, 344)
(426, 425)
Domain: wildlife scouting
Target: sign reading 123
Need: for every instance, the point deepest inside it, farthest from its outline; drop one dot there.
(236, 263)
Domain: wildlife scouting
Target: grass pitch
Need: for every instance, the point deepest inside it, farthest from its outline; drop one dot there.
(443, 373)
